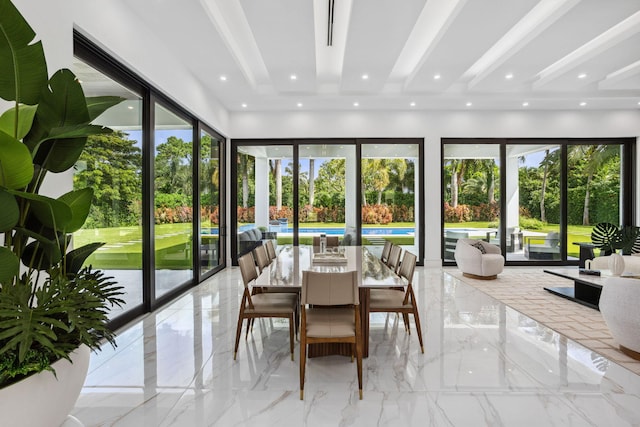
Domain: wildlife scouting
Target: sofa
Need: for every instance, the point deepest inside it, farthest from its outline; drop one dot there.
(543, 247)
(248, 240)
(478, 259)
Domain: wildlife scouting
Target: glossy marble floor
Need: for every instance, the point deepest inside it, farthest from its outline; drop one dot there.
(484, 365)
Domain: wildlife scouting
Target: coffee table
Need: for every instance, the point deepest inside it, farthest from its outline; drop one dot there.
(586, 288)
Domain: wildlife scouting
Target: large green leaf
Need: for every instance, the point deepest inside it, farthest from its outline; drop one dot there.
(62, 148)
(80, 203)
(16, 167)
(9, 265)
(9, 211)
(23, 69)
(62, 106)
(75, 258)
(26, 114)
(41, 255)
(50, 212)
(99, 104)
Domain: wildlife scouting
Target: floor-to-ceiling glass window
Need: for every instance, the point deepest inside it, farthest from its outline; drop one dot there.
(327, 175)
(265, 196)
(390, 188)
(328, 191)
(533, 201)
(555, 191)
(173, 200)
(111, 165)
(471, 180)
(210, 190)
(594, 172)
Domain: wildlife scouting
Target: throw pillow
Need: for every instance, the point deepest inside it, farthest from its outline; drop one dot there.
(479, 246)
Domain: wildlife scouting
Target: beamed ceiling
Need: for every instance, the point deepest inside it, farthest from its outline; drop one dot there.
(259, 55)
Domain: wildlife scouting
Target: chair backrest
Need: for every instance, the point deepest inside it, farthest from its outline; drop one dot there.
(247, 268)
(261, 257)
(408, 266)
(332, 241)
(336, 288)
(394, 257)
(271, 251)
(386, 250)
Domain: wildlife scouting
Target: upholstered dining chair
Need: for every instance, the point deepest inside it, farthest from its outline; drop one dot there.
(262, 305)
(393, 262)
(271, 250)
(401, 301)
(261, 257)
(386, 251)
(330, 313)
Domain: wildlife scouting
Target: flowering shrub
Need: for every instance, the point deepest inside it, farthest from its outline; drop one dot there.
(402, 213)
(461, 213)
(376, 214)
(486, 211)
(173, 215)
(209, 213)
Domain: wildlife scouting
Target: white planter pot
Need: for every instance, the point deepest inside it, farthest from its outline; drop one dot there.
(619, 307)
(43, 400)
(616, 264)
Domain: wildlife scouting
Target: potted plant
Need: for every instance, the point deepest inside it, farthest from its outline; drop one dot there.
(52, 309)
(609, 239)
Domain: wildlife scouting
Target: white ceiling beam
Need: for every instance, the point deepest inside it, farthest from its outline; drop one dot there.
(529, 27)
(229, 19)
(612, 80)
(589, 50)
(435, 18)
(330, 59)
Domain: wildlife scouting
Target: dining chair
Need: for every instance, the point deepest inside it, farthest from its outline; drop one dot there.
(332, 242)
(261, 257)
(386, 250)
(262, 305)
(401, 301)
(393, 262)
(330, 313)
(271, 250)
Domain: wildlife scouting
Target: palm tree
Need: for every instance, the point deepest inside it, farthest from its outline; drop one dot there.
(593, 157)
(245, 168)
(311, 181)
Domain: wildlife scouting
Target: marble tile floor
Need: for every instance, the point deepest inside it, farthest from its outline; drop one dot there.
(485, 364)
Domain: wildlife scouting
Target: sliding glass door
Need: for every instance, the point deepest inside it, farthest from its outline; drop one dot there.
(390, 189)
(326, 176)
(538, 199)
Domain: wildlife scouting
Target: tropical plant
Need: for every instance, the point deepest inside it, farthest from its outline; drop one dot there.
(609, 238)
(49, 304)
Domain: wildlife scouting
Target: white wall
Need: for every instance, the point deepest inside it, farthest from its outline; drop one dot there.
(432, 126)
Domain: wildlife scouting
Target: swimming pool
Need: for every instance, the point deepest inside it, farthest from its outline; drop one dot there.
(373, 231)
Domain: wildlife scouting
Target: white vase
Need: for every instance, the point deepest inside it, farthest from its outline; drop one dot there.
(616, 264)
(45, 400)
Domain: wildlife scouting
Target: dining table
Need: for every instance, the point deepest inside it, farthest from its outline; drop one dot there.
(285, 272)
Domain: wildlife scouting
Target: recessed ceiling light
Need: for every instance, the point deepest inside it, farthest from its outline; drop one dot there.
(365, 76)
(412, 104)
(525, 104)
(299, 104)
(293, 77)
(508, 76)
(638, 102)
(582, 104)
(223, 78)
(469, 104)
(355, 104)
(582, 75)
(436, 77)
(244, 105)
(130, 107)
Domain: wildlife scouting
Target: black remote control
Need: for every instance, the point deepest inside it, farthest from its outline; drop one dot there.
(589, 272)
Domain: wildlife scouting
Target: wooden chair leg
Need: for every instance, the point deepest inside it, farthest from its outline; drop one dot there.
(249, 326)
(405, 319)
(416, 318)
(359, 362)
(303, 361)
(238, 332)
(291, 338)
